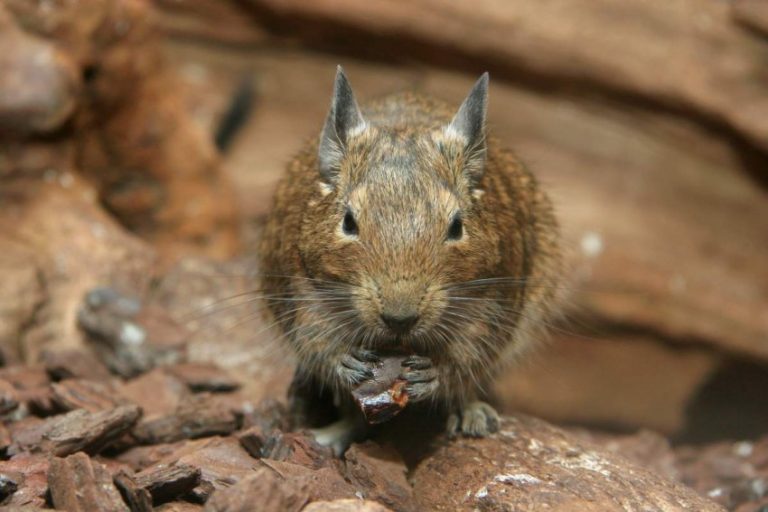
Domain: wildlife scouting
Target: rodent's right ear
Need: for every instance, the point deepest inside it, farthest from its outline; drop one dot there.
(344, 119)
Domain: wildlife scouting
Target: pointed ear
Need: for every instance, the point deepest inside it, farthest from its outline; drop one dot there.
(468, 126)
(344, 119)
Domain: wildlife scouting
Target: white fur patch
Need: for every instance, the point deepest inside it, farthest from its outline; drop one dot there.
(325, 188)
(451, 133)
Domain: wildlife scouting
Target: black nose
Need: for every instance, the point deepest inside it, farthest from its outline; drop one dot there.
(400, 323)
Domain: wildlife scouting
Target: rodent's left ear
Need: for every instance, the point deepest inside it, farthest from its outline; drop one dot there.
(344, 119)
(468, 125)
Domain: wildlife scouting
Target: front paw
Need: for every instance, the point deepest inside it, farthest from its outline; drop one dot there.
(357, 366)
(476, 419)
(421, 376)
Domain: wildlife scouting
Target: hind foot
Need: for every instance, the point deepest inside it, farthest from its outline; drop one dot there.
(339, 434)
(476, 419)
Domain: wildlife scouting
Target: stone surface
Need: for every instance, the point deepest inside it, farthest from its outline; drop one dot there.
(61, 244)
(154, 168)
(529, 465)
(39, 86)
(345, 506)
(381, 472)
(564, 44)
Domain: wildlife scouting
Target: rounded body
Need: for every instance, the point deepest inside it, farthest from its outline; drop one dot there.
(417, 240)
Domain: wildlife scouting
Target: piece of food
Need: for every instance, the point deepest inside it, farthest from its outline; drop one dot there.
(384, 396)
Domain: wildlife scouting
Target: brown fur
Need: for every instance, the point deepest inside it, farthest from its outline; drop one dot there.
(404, 176)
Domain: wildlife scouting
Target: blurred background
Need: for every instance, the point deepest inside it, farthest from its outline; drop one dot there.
(140, 142)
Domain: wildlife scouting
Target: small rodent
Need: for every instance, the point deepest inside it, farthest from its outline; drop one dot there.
(404, 227)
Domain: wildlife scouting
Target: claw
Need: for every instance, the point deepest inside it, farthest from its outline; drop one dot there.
(417, 362)
(357, 366)
(421, 375)
(477, 419)
(368, 356)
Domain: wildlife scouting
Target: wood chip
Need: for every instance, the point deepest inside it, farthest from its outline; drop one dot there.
(73, 364)
(222, 463)
(90, 395)
(90, 432)
(253, 440)
(137, 498)
(78, 483)
(28, 474)
(8, 397)
(264, 491)
(203, 377)
(156, 392)
(166, 482)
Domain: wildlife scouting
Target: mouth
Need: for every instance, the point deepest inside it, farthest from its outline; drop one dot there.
(415, 341)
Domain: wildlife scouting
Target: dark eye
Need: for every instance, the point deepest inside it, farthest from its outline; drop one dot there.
(349, 226)
(456, 229)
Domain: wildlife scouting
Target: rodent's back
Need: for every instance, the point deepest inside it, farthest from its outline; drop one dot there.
(405, 179)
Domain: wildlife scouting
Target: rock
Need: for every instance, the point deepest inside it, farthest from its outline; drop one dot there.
(223, 22)
(73, 246)
(152, 164)
(530, 464)
(752, 14)
(733, 474)
(130, 338)
(179, 506)
(566, 381)
(39, 85)
(645, 448)
(79, 484)
(215, 303)
(542, 49)
(381, 473)
(345, 506)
